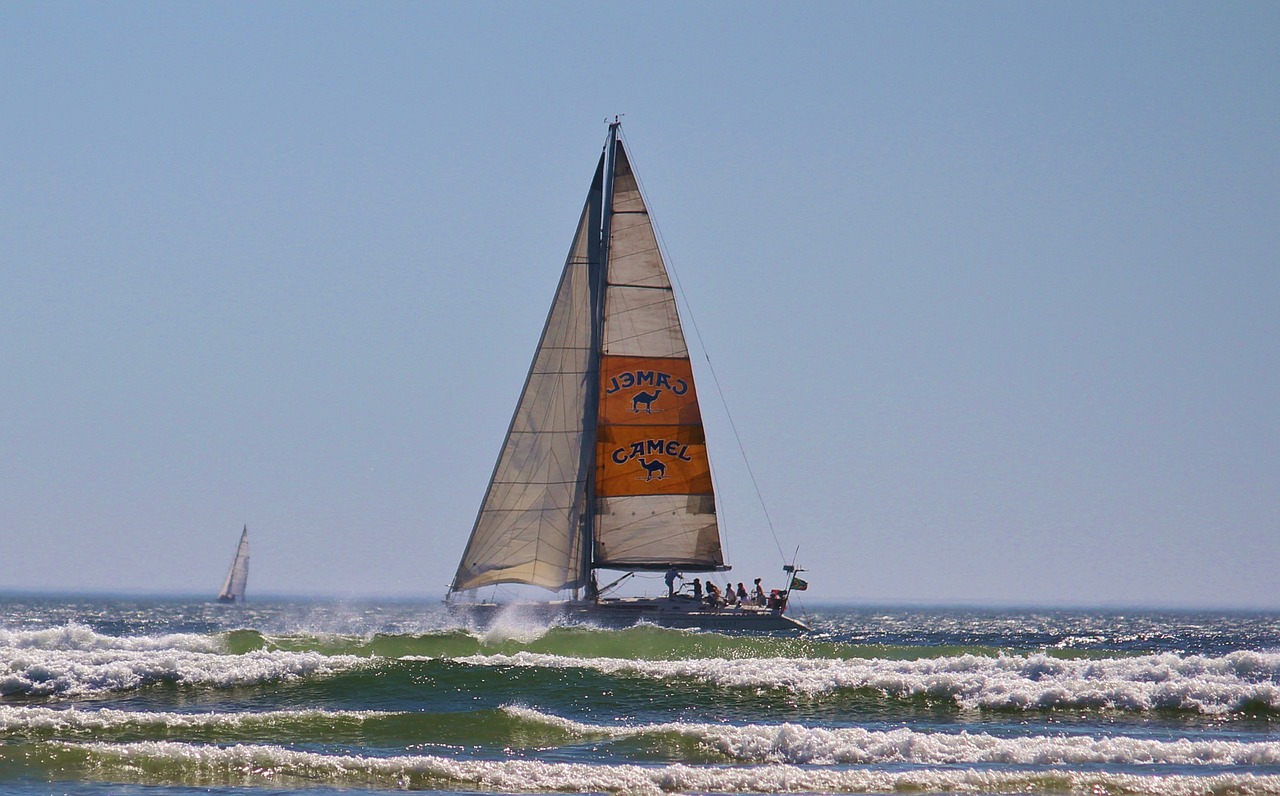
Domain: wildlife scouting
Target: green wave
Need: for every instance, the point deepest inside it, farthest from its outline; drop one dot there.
(876, 688)
(164, 763)
(637, 643)
(497, 728)
(490, 732)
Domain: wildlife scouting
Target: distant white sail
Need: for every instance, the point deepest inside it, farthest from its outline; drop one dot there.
(238, 575)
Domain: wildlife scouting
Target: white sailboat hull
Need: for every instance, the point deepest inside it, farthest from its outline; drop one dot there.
(682, 612)
(685, 612)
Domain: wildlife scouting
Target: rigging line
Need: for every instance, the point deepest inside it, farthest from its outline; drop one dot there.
(697, 333)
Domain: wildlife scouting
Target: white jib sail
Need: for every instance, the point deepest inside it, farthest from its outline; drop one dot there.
(529, 526)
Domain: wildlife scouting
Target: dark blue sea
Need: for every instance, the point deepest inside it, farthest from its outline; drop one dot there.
(154, 696)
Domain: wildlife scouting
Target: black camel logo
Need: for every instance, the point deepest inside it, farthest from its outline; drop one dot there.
(652, 467)
(646, 398)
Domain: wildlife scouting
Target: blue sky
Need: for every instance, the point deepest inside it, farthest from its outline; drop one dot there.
(991, 289)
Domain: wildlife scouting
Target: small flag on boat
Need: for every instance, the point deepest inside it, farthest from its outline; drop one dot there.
(799, 585)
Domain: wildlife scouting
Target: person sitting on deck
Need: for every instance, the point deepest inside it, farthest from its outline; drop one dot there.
(729, 597)
(742, 594)
(759, 595)
(713, 595)
(697, 589)
(671, 577)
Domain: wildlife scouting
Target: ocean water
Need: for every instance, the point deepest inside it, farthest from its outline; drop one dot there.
(110, 696)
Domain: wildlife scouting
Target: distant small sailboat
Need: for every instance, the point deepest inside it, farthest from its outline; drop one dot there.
(238, 575)
(605, 463)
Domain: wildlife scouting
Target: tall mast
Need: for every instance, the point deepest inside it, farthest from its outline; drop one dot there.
(599, 265)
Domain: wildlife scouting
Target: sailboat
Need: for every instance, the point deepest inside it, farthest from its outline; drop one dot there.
(605, 465)
(238, 575)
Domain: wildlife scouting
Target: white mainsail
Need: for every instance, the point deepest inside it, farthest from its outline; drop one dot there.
(238, 575)
(605, 463)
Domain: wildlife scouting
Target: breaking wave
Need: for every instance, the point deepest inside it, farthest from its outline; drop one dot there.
(74, 661)
(75, 636)
(255, 765)
(516, 727)
(1245, 682)
(798, 744)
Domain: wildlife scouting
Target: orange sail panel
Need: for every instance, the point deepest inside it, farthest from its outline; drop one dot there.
(650, 439)
(652, 460)
(647, 391)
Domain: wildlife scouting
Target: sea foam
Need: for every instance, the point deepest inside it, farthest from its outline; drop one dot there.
(787, 743)
(76, 636)
(798, 744)
(247, 764)
(42, 721)
(37, 671)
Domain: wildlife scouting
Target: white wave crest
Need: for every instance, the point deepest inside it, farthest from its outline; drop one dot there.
(259, 764)
(68, 673)
(1209, 685)
(75, 636)
(754, 743)
(15, 720)
(797, 744)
